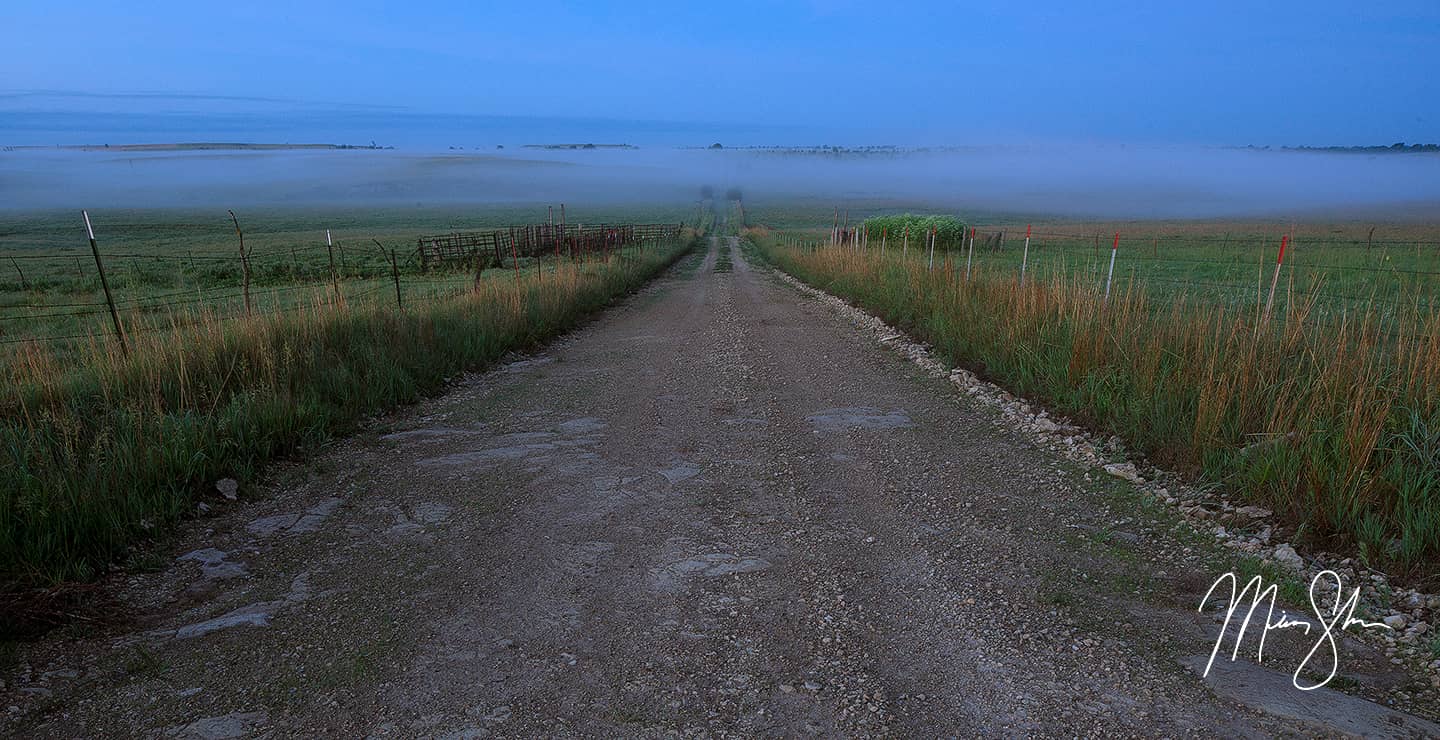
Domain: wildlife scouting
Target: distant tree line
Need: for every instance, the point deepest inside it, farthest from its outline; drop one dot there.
(1399, 147)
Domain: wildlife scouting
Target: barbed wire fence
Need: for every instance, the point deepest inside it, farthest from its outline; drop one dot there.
(1335, 279)
(254, 283)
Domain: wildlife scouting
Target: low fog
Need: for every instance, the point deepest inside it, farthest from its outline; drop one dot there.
(1095, 181)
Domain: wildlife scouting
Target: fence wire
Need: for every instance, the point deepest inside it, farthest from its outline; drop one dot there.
(276, 275)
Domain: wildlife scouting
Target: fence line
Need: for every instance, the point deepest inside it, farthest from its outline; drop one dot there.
(349, 280)
(1394, 278)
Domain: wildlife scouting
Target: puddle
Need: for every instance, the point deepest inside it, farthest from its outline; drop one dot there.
(679, 473)
(862, 417)
(239, 724)
(291, 523)
(583, 425)
(431, 513)
(315, 516)
(515, 447)
(404, 526)
(213, 566)
(254, 615)
(710, 565)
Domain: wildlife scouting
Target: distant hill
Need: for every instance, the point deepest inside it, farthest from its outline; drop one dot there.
(198, 146)
(1397, 148)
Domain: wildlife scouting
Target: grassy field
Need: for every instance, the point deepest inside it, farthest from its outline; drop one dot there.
(164, 264)
(100, 448)
(1333, 270)
(1327, 411)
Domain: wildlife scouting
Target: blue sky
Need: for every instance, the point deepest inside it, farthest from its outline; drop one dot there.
(1219, 72)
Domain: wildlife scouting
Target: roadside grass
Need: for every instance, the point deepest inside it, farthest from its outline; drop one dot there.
(1333, 424)
(142, 662)
(722, 260)
(100, 449)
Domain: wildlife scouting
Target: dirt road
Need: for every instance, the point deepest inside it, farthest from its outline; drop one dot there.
(718, 509)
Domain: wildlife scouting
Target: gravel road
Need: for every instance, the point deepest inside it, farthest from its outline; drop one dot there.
(716, 510)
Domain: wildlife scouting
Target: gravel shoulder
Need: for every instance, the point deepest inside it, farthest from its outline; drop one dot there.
(716, 510)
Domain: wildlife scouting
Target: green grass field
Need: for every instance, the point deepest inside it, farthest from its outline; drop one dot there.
(161, 264)
(1337, 268)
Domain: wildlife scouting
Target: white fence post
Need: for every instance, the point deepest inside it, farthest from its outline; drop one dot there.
(1113, 249)
(1025, 257)
(969, 258)
(931, 266)
(1270, 302)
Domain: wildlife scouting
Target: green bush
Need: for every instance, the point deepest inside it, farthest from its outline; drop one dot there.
(949, 230)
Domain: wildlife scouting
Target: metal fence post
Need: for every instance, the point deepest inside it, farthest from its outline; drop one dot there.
(104, 283)
(1025, 257)
(334, 276)
(1108, 276)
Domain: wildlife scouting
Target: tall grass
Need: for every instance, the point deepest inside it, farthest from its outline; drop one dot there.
(100, 449)
(1335, 425)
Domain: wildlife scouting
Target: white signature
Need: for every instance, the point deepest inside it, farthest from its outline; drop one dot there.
(1340, 617)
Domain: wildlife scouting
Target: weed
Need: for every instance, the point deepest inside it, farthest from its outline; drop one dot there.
(142, 662)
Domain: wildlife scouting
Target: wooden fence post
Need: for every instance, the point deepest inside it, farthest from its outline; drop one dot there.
(104, 283)
(244, 261)
(479, 265)
(563, 235)
(515, 260)
(395, 273)
(388, 255)
(24, 285)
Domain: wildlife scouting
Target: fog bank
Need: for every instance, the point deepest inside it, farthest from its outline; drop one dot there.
(1096, 181)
